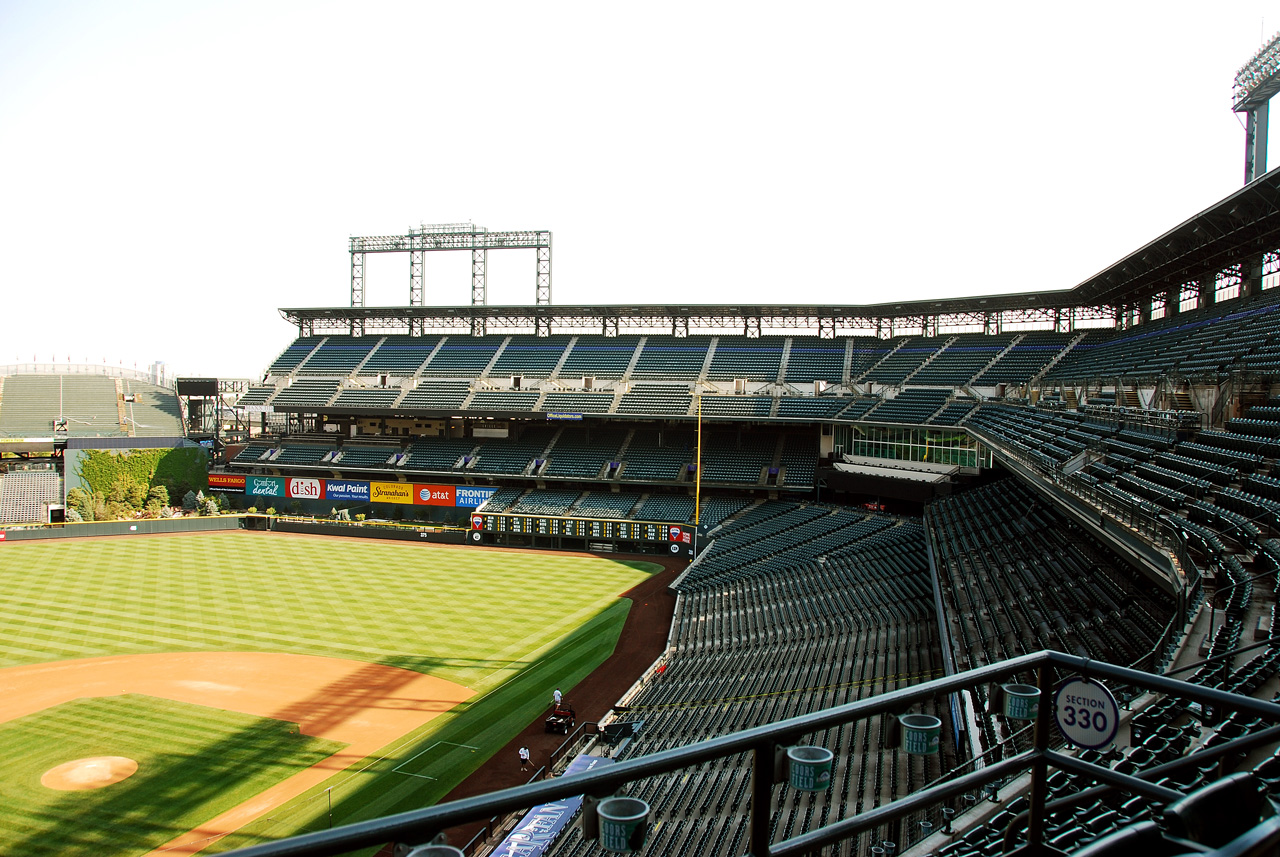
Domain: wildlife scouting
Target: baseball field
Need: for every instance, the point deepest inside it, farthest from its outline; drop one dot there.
(175, 694)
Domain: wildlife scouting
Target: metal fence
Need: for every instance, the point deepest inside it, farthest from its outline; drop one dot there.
(765, 742)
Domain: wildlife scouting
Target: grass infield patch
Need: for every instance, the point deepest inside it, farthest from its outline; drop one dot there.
(193, 763)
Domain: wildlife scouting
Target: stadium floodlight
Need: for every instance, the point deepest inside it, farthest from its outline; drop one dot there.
(1256, 82)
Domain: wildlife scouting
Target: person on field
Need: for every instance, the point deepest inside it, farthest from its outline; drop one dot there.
(524, 758)
(555, 697)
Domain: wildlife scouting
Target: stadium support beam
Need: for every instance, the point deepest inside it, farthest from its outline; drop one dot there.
(452, 236)
(357, 278)
(415, 277)
(479, 287)
(1255, 142)
(1256, 82)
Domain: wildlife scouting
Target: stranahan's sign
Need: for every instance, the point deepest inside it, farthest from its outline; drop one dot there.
(391, 492)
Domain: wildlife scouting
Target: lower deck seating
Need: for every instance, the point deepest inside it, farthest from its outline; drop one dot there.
(792, 638)
(25, 495)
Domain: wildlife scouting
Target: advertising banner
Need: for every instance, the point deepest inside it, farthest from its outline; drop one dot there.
(342, 489)
(433, 495)
(470, 496)
(543, 824)
(264, 486)
(306, 489)
(226, 481)
(391, 492)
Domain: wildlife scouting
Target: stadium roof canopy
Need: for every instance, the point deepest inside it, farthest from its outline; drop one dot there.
(1234, 231)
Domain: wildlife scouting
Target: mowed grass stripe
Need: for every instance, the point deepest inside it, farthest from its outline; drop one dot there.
(509, 625)
(448, 612)
(212, 760)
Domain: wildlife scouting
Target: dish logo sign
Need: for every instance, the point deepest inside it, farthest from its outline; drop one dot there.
(307, 489)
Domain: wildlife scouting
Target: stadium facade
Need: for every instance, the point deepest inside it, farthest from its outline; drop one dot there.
(873, 499)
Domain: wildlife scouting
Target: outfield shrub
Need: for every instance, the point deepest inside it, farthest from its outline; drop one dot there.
(128, 477)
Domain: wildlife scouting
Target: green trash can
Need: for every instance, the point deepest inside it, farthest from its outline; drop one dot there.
(1021, 701)
(920, 734)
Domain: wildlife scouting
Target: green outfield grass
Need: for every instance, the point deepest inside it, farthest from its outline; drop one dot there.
(509, 625)
(209, 761)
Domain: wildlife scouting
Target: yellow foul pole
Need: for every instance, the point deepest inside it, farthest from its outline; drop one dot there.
(697, 473)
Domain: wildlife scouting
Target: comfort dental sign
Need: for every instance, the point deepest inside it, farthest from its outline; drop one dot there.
(264, 486)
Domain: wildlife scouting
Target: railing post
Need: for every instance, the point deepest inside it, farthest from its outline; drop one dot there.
(1040, 767)
(762, 770)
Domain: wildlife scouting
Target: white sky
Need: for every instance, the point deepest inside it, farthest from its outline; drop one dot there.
(173, 172)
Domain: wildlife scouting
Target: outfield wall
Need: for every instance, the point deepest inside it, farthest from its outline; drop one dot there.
(357, 531)
(124, 528)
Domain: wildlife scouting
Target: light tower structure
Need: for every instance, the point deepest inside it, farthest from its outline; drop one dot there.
(454, 236)
(1255, 83)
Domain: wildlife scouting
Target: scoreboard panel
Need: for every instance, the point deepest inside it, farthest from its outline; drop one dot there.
(606, 529)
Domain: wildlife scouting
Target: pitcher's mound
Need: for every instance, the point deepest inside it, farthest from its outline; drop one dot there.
(91, 773)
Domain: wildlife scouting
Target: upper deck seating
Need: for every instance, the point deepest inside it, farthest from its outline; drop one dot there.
(305, 394)
(599, 357)
(954, 412)
(814, 359)
(810, 407)
(503, 400)
(154, 411)
(373, 398)
(669, 358)
(656, 399)
(437, 395)
(960, 361)
(257, 394)
(1025, 359)
(867, 351)
(400, 355)
(578, 403)
(530, 356)
(337, 355)
(756, 359)
(895, 368)
(736, 406)
(465, 356)
(909, 406)
(294, 354)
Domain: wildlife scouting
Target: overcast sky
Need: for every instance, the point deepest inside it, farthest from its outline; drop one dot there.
(174, 172)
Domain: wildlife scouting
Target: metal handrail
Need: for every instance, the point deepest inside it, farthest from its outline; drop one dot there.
(419, 826)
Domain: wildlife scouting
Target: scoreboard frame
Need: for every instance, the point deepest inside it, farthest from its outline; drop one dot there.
(497, 527)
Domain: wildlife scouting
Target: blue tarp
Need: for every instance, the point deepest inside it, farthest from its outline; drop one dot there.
(543, 824)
